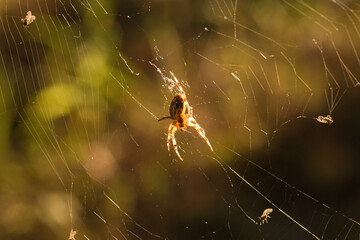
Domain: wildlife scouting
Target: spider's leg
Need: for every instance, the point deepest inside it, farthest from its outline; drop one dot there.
(194, 124)
(190, 110)
(171, 126)
(177, 82)
(174, 141)
(163, 118)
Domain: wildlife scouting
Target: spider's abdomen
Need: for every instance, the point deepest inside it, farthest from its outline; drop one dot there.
(176, 107)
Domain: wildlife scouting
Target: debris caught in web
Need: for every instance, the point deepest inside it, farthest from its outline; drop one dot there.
(72, 234)
(325, 120)
(29, 18)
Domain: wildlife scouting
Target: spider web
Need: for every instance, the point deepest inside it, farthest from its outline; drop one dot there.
(82, 87)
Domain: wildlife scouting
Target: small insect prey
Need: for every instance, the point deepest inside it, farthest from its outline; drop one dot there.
(29, 18)
(72, 235)
(265, 215)
(325, 120)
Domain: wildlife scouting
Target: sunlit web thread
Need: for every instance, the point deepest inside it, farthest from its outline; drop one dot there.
(257, 33)
(90, 8)
(30, 125)
(139, 103)
(53, 140)
(99, 215)
(328, 73)
(49, 28)
(349, 73)
(308, 17)
(267, 199)
(351, 14)
(209, 180)
(223, 164)
(136, 99)
(231, 184)
(334, 100)
(289, 185)
(128, 216)
(295, 72)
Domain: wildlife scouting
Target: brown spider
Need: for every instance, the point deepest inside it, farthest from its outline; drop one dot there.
(182, 114)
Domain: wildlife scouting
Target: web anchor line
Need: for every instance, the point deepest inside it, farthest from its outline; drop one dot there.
(273, 204)
(137, 101)
(289, 185)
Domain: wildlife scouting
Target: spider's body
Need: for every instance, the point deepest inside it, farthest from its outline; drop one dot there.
(176, 109)
(182, 114)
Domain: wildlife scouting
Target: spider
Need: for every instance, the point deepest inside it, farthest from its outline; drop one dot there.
(265, 215)
(182, 114)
